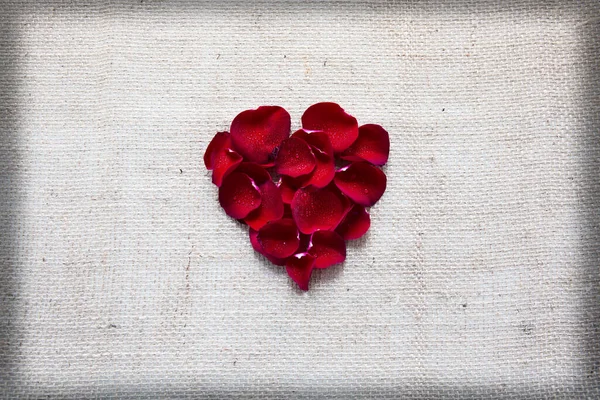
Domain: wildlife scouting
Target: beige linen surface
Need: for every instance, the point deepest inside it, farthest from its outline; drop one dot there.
(122, 277)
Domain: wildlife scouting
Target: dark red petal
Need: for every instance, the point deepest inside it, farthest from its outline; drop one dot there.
(225, 163)
(219, 143)
(323, 173)
(355, 224)
(294, 158)
(304, 243)
(328, 248)
(239, 195)
(288, 187)
(330, 118)
(318, 209)
(287, 211)
(325, 165)
(258, 174)
(317, 139)
(256, 133)
(361, 182)
(258, 247)
(271, 206)
(220, 158)
(299, 267)
(279, 238)
(372, 145)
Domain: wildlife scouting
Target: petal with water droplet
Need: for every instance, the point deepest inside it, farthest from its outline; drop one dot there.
(299, 267)
(361, 182)
(238, 195)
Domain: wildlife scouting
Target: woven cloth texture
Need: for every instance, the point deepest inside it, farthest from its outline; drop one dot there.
(121, 277)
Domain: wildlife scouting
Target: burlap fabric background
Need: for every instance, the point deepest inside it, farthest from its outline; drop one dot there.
(122, 277)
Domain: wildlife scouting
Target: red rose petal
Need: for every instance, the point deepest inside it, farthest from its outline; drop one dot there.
(325, 164)
(279, 238)
(258, 174)
(299, 268)
(288, 187)
(220, 158)
(316, 209)
(324, 171)
(271, 206)
(330, 118)
(316, 139)
(372, 145)
(328, 248)
(239, 195)
(361, 182)
(256, 133)
(294, 158)
(219, 142)
(225, 163)
(355, 224)
(258, 247)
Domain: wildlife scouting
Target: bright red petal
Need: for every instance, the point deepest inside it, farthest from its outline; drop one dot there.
(355, 224)
(225, 163)
(317, 139)
(330, 118)
(219, 142)
(361, 182)
(299, 268)
(279, 238)
(324, 171)
(270, 209)
(288, 187)
(256, 133)
(239, 195)
(325, 165)
(220, 158)
(316, 209)
(328, 248)
(258, 174)
(294, 158)
(372, 145)
(258, 247)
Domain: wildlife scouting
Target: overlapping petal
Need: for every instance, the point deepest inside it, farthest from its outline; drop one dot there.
(280, 238)
(258, 174)
(355, 224)
(238, 195)
(299, 267)
(288, 187)
(372, 145)
(316, 209)
(271, 206)
(316, 139)
(220, 158)
(330, 118)
(258, 247)
(218, 143)
(295, 158)
(361, 182)
(255, 134)
(323, 173)
(328, 248)
(322, 150)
